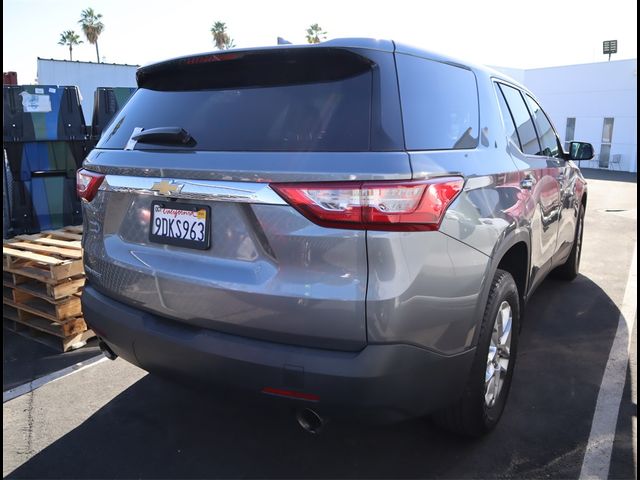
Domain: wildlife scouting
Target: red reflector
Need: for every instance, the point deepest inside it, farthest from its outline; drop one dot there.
(388, 206)
(87, 184)
(291, 394)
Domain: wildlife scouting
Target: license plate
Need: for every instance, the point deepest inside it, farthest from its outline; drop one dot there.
(180, 224)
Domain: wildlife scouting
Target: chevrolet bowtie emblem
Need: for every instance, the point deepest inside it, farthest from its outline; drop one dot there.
(166, 187)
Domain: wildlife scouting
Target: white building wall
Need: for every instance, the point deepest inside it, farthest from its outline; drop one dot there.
(87, 76)
(589, 93)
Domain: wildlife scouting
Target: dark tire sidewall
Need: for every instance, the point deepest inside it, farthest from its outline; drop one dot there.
(570, 269)
(577, 246)
(506, 290)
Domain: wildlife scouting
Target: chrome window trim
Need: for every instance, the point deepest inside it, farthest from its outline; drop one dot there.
(222, 191)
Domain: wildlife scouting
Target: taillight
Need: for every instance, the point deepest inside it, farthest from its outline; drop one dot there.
(87, 184)
(391, 206)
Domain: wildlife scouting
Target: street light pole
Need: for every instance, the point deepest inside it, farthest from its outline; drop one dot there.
(610, 47)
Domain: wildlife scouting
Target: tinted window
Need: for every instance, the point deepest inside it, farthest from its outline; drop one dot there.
(522, 119)
(605, 146)
(607, 130)
(570, 132)
(439, 104)
(324, 116)
(546, 133)
(507, 119)
(605, 154)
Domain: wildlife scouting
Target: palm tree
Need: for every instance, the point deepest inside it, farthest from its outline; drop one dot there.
(92, 27)
(221, 37)
(314, 32)
(70, 38)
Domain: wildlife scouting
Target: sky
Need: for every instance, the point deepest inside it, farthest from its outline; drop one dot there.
(506, 33)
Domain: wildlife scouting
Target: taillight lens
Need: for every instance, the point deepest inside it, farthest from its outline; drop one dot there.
(391, 206)
(87, 184)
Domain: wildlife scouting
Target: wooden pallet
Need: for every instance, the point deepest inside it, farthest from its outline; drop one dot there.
(28, 256)
(42, 281)
(44, 290)
(41, 332)
(67, 239)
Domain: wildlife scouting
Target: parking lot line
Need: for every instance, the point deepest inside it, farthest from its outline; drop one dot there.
(39, 382)
(597, 457)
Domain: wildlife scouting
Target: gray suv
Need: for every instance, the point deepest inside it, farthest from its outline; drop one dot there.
(354, 226)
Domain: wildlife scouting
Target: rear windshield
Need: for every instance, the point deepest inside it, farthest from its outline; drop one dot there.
(306, 115)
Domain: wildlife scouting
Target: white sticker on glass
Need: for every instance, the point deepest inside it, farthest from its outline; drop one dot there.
(40, 90)
(35, 103)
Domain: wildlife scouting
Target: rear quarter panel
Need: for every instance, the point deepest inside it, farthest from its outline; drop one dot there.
(430, 288)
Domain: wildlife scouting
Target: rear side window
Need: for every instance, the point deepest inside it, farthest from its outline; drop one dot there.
(522, 119)
(439, 104)
(259, 103)
(546, 133)
(507, 119)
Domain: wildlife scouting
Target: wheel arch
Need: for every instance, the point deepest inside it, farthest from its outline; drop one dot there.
(512, 254)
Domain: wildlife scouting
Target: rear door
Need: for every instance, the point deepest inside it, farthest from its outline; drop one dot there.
(540, 178)
(566, 175)
(245, 262)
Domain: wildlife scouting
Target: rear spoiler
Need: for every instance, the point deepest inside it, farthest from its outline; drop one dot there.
(253, 68)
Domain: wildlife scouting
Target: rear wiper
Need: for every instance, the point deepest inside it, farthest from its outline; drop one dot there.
(164, 135)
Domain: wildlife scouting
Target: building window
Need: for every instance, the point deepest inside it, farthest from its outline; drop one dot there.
(570, 132)
(605, 146)
(607, 130)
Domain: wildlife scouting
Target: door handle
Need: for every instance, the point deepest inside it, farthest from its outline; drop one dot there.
(527, 183)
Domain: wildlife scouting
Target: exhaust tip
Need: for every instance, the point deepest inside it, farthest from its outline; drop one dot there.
(310, 420)
(106, 351)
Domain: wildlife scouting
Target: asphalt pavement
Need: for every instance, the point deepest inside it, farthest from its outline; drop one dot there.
(24, 360)
(114, 420)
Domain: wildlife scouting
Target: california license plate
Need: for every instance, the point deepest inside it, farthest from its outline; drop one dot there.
(180, 224)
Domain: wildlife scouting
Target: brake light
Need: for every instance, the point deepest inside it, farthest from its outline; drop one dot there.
(87, 184)
(388, 206)
(211, 58)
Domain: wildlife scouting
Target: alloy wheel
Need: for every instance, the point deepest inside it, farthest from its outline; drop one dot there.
(498, 356)
(579, 243)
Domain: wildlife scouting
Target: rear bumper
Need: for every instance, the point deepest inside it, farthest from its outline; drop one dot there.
(392, 381)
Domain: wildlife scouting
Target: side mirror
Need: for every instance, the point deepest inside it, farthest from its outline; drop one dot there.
(580, 151)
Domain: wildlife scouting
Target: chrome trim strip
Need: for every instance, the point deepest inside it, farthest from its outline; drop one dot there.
(220, 191)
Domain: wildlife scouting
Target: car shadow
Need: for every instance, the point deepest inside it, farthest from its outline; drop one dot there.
(24, 360)
(158, 429)
(623, 457)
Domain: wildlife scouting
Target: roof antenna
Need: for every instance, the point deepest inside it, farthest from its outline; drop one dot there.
(282, 41)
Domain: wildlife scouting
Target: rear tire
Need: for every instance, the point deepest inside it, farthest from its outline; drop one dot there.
(569, 270)
(481, 405)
